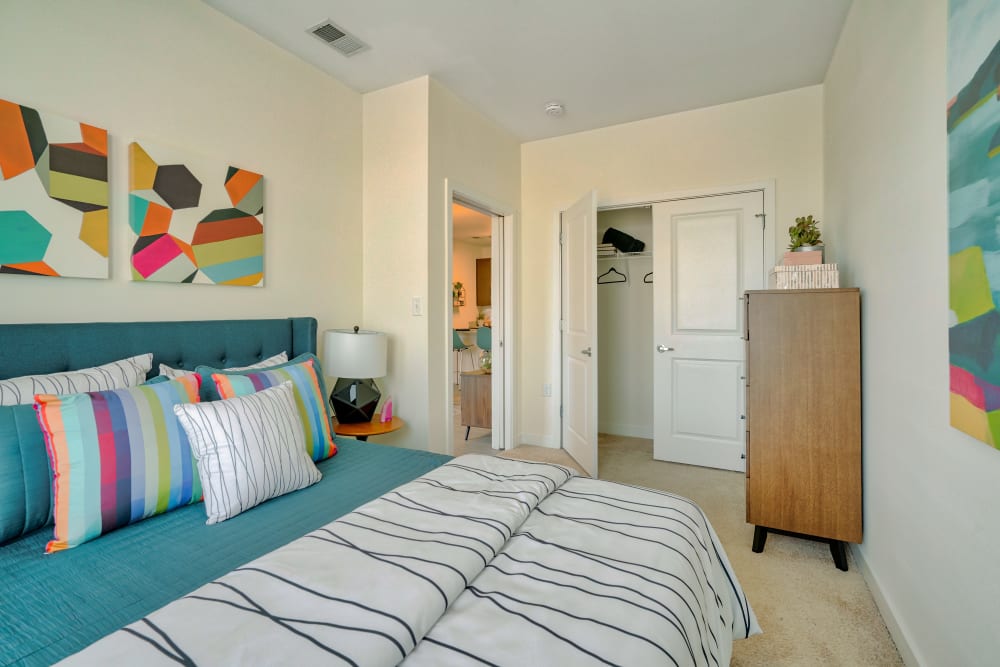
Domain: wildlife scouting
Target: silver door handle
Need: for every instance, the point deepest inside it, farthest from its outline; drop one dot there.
(586, 352)
(664, 348)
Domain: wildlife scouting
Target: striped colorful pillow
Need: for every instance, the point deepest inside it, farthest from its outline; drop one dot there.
(310, 397)
(117, 457)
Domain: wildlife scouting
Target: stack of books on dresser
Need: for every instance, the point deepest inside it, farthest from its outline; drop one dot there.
(606, 250)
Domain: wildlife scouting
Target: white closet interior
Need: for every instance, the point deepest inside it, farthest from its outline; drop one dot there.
(625, 329)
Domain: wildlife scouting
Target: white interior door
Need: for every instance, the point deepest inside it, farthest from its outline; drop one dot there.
(706, 252)
(498, 327)
(578, 235)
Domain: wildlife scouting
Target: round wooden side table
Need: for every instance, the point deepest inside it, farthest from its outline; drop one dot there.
(364, 429)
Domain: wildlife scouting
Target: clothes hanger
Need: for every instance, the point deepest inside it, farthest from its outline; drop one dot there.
(616, 277)
(648, 278)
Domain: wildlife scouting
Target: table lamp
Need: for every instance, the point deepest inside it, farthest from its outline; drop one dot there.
(354, 357)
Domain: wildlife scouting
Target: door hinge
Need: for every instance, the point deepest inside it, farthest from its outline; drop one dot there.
(763, 220)
(560, 411)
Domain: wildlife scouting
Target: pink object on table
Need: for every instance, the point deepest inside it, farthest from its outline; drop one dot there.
(387, 410)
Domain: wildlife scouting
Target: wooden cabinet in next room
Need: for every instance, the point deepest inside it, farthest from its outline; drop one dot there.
(803, 400)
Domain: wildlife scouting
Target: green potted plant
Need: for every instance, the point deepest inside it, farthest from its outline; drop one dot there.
(804, 235)
(457, 294)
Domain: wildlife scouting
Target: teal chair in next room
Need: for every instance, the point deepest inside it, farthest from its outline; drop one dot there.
(484, 339)
(458, 347)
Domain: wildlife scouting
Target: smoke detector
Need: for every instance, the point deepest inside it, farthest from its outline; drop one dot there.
(344, 42)
(554, 109)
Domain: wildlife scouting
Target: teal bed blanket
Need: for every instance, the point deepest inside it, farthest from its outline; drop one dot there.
(54, 605)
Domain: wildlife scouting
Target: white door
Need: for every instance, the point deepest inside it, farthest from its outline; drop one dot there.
(578, 234)
(498, 326)
(706, 251)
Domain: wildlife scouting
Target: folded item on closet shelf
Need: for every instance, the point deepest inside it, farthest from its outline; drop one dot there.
(624, 242)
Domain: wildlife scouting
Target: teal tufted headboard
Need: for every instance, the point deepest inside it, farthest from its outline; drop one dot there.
(27, 349)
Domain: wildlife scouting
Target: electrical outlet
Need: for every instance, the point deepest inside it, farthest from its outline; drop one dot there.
(416, 307)
(547, 389)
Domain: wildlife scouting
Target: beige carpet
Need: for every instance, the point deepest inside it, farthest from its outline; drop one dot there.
(811, 612)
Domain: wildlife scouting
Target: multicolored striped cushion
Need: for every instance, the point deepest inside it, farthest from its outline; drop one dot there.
(310, 397)
(117, 457)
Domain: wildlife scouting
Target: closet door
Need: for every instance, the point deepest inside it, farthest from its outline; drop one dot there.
(706, 252)
(579, 332)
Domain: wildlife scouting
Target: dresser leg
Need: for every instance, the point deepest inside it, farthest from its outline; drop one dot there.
(839, 553)
(759, 538)
(467, 429)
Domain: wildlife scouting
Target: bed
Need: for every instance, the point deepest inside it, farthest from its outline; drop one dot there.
(395, 556)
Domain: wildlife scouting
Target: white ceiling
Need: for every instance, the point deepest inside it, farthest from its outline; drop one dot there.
(606, 61)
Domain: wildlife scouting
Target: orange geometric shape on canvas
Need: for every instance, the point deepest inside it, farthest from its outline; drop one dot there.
(94, 230)
(240, 184)
(157, 220)
(15, 149)
(142, 169)
(187, 250)
(246, 281)
(224, 230)
(95, 137)
(36, 268)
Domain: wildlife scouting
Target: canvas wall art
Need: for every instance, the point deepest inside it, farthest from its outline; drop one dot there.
(53, 195)
(974, 216)
(194, 219)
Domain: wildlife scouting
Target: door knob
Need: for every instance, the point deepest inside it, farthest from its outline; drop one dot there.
(586, 352)
(664, 348)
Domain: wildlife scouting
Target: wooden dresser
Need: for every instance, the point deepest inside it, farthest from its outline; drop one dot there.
(803, 398)
(477, 400)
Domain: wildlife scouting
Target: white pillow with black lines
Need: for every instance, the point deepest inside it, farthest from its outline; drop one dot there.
(248, 449)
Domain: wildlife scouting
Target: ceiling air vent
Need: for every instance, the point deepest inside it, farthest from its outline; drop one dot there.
(339, 39)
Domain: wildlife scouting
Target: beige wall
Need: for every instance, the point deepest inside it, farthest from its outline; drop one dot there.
(417, 136)
(930, 492)
(180, 73)
(774, 137)
(395, 245)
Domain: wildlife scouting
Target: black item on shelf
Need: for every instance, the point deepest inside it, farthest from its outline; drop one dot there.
(624, 242)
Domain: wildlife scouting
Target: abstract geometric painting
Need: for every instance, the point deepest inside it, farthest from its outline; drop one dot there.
(53, 195)
(974, 217)
(195, 220)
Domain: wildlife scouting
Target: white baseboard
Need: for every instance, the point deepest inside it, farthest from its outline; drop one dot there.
(899, 636)
(540, 440)
(627, 430)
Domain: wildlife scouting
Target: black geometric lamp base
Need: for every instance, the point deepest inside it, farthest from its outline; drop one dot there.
(354, 401)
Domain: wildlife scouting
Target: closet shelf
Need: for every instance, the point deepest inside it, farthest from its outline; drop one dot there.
(626, 255)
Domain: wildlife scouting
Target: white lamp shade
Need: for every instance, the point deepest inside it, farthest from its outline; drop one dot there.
(347, 354)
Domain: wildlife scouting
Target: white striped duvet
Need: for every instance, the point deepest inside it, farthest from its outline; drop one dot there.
(487, 561)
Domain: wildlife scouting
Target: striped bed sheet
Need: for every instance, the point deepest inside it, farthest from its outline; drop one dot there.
(480, 561)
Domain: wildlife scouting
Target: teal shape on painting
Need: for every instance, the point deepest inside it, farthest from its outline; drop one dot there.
(979, 229)
(220, 273)
(22, 238)
(137, 207)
